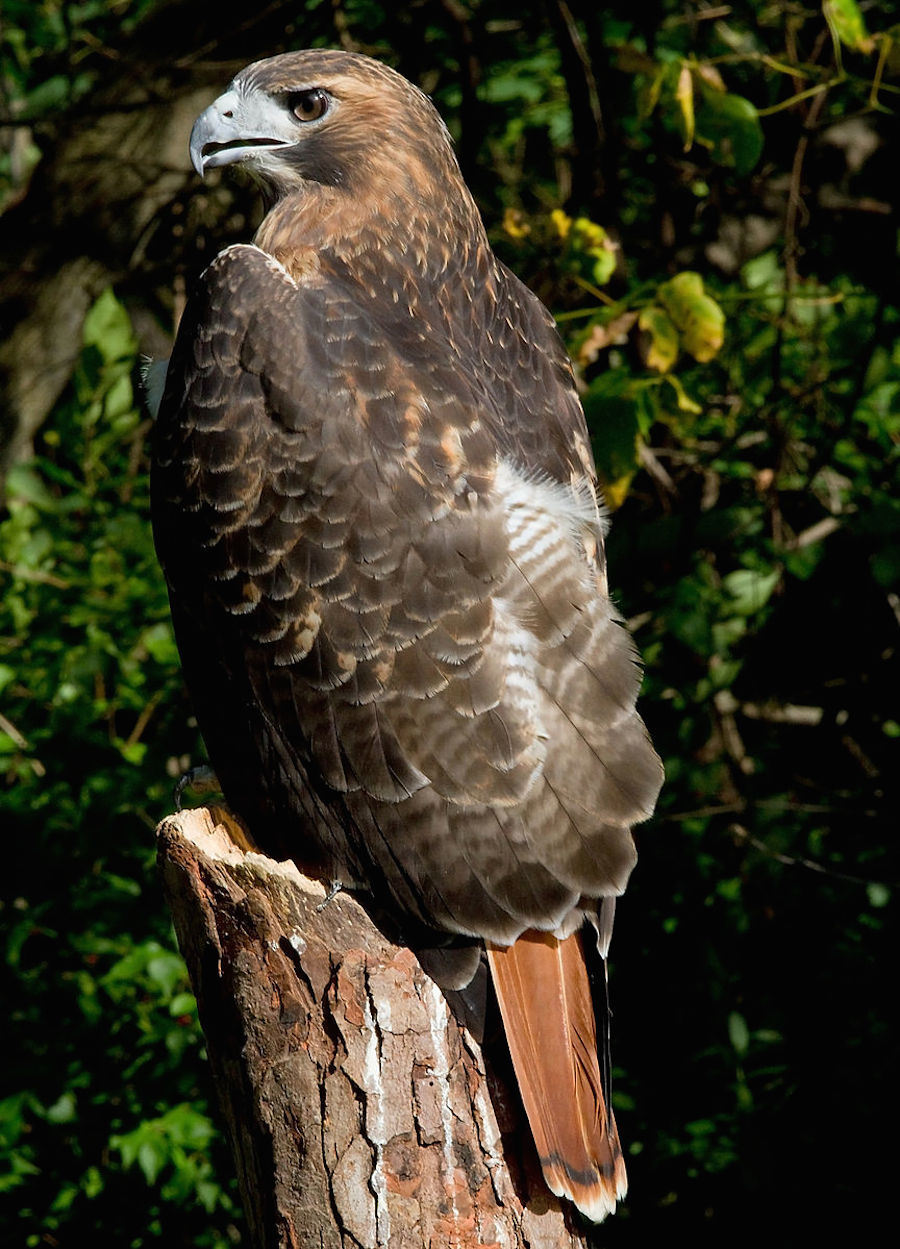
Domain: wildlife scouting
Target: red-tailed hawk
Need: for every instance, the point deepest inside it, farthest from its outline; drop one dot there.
(375, 504)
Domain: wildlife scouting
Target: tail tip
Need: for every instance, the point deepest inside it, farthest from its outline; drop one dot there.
(594, 1196)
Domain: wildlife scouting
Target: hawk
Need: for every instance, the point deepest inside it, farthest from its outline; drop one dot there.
(376, 508)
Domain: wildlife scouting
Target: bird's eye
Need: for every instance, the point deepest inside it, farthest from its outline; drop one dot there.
(308, 105)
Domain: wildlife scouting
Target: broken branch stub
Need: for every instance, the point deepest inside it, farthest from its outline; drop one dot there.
(358, 1108)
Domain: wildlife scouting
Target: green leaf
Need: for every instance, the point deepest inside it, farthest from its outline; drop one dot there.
(209, 1194)
(119, 399)
(123, 884)
(730, 126)
(52, 94)
(730, 888)
(750, 590)
(762, 271)
(133, 752)
(159, 641)
(727, 632)
(847, 23)
(25, 485)
(20, 1168)
(151, 1157)
(156, 1143)
(879, 895)
(604, 265)
(738, 1033)
(92, 1183)
(13, 1117)
(64, 1198)
(618, 412)
(107, 327)
(63, 1110)
(166, 971)
(183, 1004)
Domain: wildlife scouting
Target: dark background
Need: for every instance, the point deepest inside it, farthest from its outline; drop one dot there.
(754, 550)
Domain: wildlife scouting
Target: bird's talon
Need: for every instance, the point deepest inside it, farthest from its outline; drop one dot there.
(202, 779)
(333, 890)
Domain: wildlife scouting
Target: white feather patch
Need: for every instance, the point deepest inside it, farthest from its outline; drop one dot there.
(576, 504)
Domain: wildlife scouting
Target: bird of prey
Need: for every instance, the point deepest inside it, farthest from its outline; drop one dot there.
(376, 508)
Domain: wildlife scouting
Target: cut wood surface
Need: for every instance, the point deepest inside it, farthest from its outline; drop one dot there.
(360, 1112)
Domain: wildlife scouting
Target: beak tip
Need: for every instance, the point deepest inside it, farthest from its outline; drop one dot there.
(200, 136)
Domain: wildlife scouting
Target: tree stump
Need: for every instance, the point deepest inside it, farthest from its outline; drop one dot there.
(358, 1109)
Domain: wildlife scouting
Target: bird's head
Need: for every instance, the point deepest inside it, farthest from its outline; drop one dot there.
(322, 118)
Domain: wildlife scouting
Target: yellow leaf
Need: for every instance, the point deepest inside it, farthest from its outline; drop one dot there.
(562, 222)
(590, 239)
(682, 398)
(847, 22)
(616, 492)
(677, 293)
(684, 96)
(588, 234)
(515, 224)
(663, 349)
(705, 332)
(698, 317)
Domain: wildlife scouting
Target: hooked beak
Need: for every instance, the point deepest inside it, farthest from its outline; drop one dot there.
(236, 128)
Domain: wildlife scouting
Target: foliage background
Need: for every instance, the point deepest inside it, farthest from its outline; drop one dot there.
(746, 425)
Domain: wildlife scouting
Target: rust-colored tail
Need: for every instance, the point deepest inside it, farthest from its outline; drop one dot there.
(548, 1013)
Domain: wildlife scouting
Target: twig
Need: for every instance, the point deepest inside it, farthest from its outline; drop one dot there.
(817, 90)
(790, 860)
(584, 102)
(815, 533)
(656, 470)
(788, 713)
(726, 705)
(773, 713)
(143, 719)
(34, 574)
(7, 727)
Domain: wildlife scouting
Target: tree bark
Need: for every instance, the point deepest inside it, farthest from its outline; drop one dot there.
(360, 1112)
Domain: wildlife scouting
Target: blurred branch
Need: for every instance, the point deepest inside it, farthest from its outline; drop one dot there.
(815, 533)
(470, 131)
(584, 101)
(790, 860)
(7, 727)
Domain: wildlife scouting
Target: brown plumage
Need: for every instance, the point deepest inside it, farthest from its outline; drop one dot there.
(375, 505)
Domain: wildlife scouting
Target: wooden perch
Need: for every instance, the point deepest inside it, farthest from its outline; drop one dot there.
(358, 1109)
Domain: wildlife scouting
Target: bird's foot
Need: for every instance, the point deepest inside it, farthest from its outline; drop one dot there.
(202, 780)
(333, 890)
